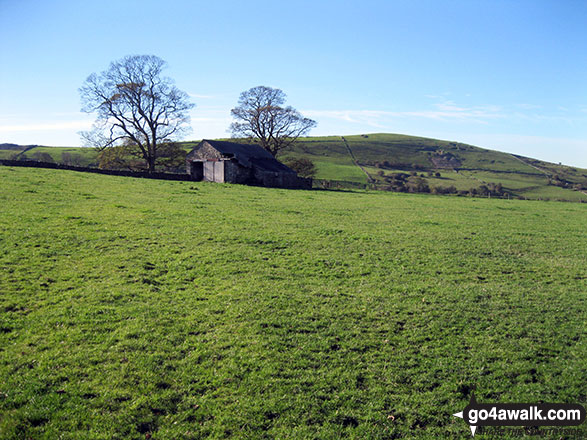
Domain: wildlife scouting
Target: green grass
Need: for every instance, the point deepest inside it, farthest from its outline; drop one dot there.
(531, 186)
(339, 171)
(198, 310)
(451, 178)
(511, 181)
(82, 156)
(7, 154)
(447, 178)
(417, 150)
(554, 193)
(331, 157)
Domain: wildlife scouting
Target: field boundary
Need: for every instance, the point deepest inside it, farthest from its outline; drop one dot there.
(532, 166)
(124, 173)
(26, 149)
(369, 178)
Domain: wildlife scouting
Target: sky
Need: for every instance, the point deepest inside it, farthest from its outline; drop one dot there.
(504, 75)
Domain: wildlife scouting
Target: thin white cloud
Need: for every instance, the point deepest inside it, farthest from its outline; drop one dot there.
(450, 111)
(199, 96)
(212, 119)
(368, 117)
(70, 125)
(447, 111)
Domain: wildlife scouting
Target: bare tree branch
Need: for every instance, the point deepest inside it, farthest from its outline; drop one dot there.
(136, 106)
(261, 117)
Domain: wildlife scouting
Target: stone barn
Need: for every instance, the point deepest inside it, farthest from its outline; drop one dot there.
(250, 164)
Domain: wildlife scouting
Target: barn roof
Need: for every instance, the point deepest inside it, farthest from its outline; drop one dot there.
(271, 165)
(245, 150)
(247, 155)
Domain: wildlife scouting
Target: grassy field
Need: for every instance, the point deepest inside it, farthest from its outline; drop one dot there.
(135, 309)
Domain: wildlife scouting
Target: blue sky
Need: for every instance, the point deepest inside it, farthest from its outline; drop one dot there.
(506, 75)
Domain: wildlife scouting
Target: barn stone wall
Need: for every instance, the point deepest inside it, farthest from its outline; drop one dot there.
(204, 152)
(281, 180)
(235, 173)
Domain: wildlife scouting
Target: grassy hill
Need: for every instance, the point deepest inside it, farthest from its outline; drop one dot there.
(135, 309)
(377, 159)
(70, 155)
(459, 165)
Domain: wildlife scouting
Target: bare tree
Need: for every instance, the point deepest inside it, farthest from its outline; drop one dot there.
(261, 117)
(135, 105)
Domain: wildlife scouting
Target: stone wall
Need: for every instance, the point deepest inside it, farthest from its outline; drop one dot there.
(59, 166)
(281, 180)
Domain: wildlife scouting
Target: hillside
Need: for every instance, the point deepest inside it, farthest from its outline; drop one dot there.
(68, 155)
(398, 163)
(378, 158)
(136, 309)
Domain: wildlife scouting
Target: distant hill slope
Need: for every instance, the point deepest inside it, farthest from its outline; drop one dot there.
(397, 162)
(12, 147)
(78, 156)
(441, 164)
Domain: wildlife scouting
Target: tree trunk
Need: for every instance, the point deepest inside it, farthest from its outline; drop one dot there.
(151, 163)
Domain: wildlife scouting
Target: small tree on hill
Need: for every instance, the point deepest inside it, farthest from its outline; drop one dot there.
(71, 158)
(417, 184)
(43, 157)
(304, 167)
(171, 157)
(119, 157)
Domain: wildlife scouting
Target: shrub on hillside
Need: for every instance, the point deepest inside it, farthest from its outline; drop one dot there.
(304, 167)
(170, 157)
(43, 157)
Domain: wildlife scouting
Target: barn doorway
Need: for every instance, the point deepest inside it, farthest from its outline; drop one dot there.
(197, 170)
